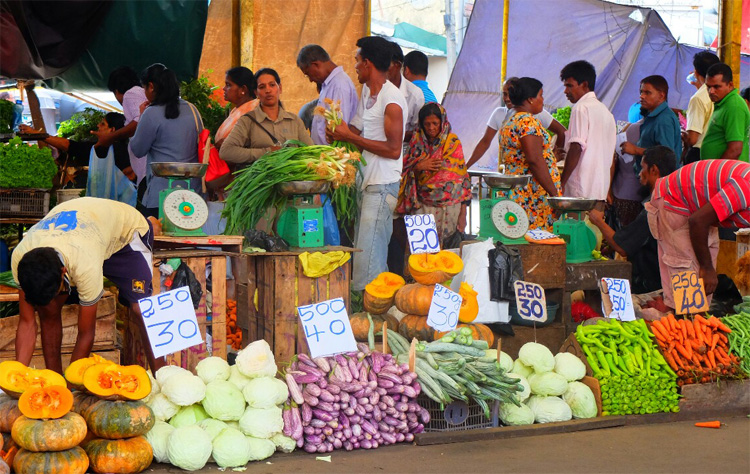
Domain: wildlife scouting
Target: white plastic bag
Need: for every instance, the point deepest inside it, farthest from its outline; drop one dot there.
(476, 272)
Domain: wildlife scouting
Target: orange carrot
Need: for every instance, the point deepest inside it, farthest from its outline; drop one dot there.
(701, 319)
(683, 328)
(712, 359)
(658, 331)
(672, 323)
(690, 329)
(709, 424)
(670, 360)
(715, 341)
(722, 327)
(684, 351)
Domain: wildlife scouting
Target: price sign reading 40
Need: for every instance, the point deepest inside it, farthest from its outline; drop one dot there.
(422, 233)
(444, 309)
(530, 301)
(689, 293)
(327, 328)
(170, 321)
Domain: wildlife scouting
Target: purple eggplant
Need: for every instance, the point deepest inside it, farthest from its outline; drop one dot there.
(296, 418)
(400, 437)
(312, 370)
(306, 413)
(383, 427)
(325, 406)
(337, 443)
(388, 400)
(326, 396)
(322, 415)
(424, 415)
(328, 431)
(411, 426)
(368, 408)
(377, 414)
(412, 417)
(304, 378)
(408, 437)
(300, 442)
(354, 418)
(344, 420)
(344, 397)
(391, 411)
(347, 433)
(384, 383)
(308, 430)
(314, 439)
(381, 391)
(334, 423)
(309, 399)
(294, 389)
(322, 364)
(409, 391)
(348, 411)
(372, 376)
(344, 367)
(366, 444)
(322, 448)
(336, 406)
(363, 373)
(389, 420)
(357, 430)
(312, 389)
(396, 390)
(334, 389)
(374, 398)
(310, 448)
(304, 359)
(318, 423)
(348, 445)
(369, 428)
(360, 410)
(402, 407)
(352, 365)
(389, 376)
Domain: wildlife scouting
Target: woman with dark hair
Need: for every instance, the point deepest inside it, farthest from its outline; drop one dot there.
(167, 131)
(266, 128)
(434, 179)
(239, 90)
(525, 148)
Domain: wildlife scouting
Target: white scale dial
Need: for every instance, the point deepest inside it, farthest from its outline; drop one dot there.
(510, 219)
(185, 209)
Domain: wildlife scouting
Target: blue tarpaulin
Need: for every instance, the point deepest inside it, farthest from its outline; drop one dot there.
(624, 43)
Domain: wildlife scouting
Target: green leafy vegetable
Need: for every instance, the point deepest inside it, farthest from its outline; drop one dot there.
(80, 125)
(26, 166)
(6, 116)
(562, 115)
(199, 92)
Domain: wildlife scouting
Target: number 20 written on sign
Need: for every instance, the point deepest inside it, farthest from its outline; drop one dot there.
(530, 301)
(422, 233)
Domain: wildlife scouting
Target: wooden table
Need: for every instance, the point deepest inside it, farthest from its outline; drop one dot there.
(227, 243)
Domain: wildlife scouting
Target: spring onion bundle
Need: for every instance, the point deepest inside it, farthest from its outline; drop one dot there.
(253, 192)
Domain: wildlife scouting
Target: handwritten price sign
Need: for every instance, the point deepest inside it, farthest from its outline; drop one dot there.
(327, 328)
(170, 321)
(537, 234)
(422, 233)
(444, 309)
(619, 297)
(689, 293)
(530, 301)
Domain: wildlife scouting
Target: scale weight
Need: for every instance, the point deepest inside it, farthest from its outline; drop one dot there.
(500, 218)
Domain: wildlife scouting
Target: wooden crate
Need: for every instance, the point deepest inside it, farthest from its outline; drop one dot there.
(282, 286)
(104, 340)
(214, 344)
(37, 361)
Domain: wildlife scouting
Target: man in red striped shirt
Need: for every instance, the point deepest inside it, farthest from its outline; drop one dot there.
(685, 211)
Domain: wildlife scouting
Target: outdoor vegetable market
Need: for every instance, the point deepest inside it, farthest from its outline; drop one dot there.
(202, 270)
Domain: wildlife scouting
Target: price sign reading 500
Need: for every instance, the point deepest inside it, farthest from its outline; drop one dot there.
(327, 328)
(170, 321)
(422, 233)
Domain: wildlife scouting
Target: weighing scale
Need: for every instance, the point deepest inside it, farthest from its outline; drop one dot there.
(301, 223)
(578, 236)
(500, 218)
(181, 210)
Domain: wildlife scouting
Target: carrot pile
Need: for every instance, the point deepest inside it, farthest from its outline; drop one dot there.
(234, 333)
(697, 350)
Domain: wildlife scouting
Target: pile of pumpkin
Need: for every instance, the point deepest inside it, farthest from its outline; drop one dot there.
(101, 426)
(414, 300)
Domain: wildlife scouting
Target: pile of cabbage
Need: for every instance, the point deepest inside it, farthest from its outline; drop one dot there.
(552, 391)
(226, 414)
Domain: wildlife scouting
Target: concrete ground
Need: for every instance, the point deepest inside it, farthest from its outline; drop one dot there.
(660, 448)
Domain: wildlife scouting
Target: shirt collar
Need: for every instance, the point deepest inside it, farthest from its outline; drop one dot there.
(337, 70)
(721, 102)
(261, 116)
(591, 95)
(663, 106)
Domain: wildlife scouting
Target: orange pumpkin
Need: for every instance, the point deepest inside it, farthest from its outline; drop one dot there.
(76, 369)
(71, 461)
(9, 413)
(83, 400)
(379, 293)
(469, 304)
(15, 378)
(429, 269)
(47, 402)
(415, 299)
(415, 326)
(49, 435)
(479, 332)
(121, 456)
(361, 325)
(117, 382)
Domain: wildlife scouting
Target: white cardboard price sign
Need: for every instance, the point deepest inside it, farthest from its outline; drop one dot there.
(530, 301)
(444, 309)
(422, 233)
(170, 321)
(537, 234)
(620, 299)
(327, 328)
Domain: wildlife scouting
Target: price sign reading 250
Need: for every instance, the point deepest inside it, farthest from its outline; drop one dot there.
(170, 321)
(689, 294)
(444, 309)
(530, 301)
(327, 328)
(422, 233)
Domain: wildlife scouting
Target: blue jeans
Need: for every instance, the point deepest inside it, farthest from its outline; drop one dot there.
(373, 232)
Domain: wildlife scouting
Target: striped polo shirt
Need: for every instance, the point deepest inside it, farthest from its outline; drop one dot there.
(723, 183)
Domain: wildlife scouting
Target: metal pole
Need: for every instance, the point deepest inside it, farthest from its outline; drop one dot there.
(730, 34)
(504, 56)
(450, 35)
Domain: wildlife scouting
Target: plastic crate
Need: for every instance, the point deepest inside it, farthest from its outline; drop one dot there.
(24, 202)
(458, 415)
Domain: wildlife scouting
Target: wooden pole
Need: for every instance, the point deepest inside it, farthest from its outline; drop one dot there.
(504, 56)
(730, 35)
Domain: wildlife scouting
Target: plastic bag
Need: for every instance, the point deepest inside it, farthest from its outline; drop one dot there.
(476, 273)
(184, 276)
(258, 238)
(505, 268)
(330, 224)
(454, 240)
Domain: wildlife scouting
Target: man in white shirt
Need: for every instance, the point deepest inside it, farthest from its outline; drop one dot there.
(591, 137)
(699, 108)
(378, 130)
(413, 94)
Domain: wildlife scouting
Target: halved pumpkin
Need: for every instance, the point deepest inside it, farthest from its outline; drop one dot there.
(117, 382)
(76, 369)
(379, 293)
(469, 304)
(415, 299)
(428, 269)
(47, 402)
(16, 378)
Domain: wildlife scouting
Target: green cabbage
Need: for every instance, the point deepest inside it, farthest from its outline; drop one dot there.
(265, 392)
(512, 415)
(231, 448)
(163, 374)
(262, 422)
(212, 368)
(154, 388)
(506, 361)
(537, 356)
(213, 427)
(260, 449)
(523, 395)
(283, 443)
(549, 409)
(522, 369)
(236, 377)
(233, 424)
(256, 360)
(581, 400)
(224, 401)
(184, 389)
(161, 406)
(189, 448)
(157, 437)
(190, 415)
(569, 366)
(548, 384)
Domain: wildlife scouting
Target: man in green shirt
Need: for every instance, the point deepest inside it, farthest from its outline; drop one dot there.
(729, 128)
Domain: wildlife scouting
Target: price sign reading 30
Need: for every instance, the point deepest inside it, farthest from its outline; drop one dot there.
(444, 309)
(422, 233)
(530, 301)
(689, 294)
(170, 321)
(327, 328)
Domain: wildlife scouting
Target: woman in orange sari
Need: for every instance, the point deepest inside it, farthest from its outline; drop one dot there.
(434, 177)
